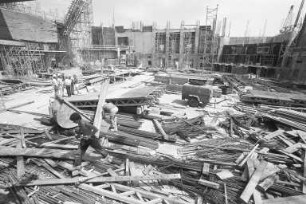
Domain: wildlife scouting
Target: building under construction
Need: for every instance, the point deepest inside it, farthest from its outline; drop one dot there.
(149, 114)
(74, 41)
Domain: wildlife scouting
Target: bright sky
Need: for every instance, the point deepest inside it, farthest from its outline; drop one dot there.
(238, 13)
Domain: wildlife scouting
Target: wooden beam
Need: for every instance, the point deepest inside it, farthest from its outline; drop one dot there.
(160, 129)
(255, 178)
(148, 195)
(59, 146)
(20, 161)
(75, 108)
(304, 171)
(100, 179)
(46, 153)
(205, 169)
(248, 156)
(18, 106)
(293, 148)
(268, 182)
(209, 183)
(225, 193)
(98, 115)
(48, 167)
(274, 134)
(133, 172)
(250, 169)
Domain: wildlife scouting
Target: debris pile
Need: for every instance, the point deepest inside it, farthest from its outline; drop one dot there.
(226, 152)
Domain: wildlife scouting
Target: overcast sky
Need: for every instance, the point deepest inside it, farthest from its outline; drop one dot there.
(238, 13)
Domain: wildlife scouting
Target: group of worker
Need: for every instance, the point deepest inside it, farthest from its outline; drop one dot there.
(61, 82)
(88, 133)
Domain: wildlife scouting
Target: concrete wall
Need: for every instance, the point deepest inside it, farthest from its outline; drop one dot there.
(294, 67)
(140, 41)
(25, 27)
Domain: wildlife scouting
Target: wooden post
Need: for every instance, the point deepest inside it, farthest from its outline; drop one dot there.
(20, 161)
(98, 115)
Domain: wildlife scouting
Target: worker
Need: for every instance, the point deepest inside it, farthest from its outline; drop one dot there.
(76, 83)
(60, 85)
(68, 85)
(88, 135)
(55, 85)
(111, 110)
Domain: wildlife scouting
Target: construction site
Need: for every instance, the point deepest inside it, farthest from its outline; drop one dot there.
(150, 114)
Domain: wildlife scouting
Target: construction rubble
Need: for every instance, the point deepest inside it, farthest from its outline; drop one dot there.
(99, 107)
(225, 152)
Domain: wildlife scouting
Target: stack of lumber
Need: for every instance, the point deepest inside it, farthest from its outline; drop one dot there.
(188, 128)
(41, 171)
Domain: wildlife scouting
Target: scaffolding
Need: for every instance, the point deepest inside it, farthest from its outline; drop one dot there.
(22, 61)
(77, 29)
(210, 43)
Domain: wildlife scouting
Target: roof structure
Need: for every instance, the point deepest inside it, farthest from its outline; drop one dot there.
(25, 27)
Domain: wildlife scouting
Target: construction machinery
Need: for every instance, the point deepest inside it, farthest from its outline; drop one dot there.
(196, 95)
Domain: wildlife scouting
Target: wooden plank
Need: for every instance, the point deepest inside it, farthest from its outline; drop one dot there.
(147, 194)
(209, 184)
(48, 134)
(20, 161)
(205, 169)
(46, 153)
(274, 134)
(248, 156)
(155, 201)
(268, 182)
(98, 115)
(304, 171)
(302, 135)
(225, 194)
(112, 172)
(240, 158)
(293, 148)
(100, 179)
(285, 140)
(127, 193)
(20, 105)
(127, 167)
(160, 129)
(59, 146)
(111, 195)
(292, 156)
(48, 167)
(287, 200)
(250, 188)
(133, 173)
(250, 169)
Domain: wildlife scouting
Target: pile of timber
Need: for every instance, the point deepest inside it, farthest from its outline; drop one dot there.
(188, 128)
(10, 88)
(36, 168)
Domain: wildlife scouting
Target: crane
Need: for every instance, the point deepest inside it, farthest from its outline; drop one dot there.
(287, 25)
(298, 14)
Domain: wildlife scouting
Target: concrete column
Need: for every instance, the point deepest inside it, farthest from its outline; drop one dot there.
(167, 44)
(196, 46)
(181, 57)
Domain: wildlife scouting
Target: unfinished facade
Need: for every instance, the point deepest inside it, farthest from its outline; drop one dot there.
(26, 51)
(147, 46)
